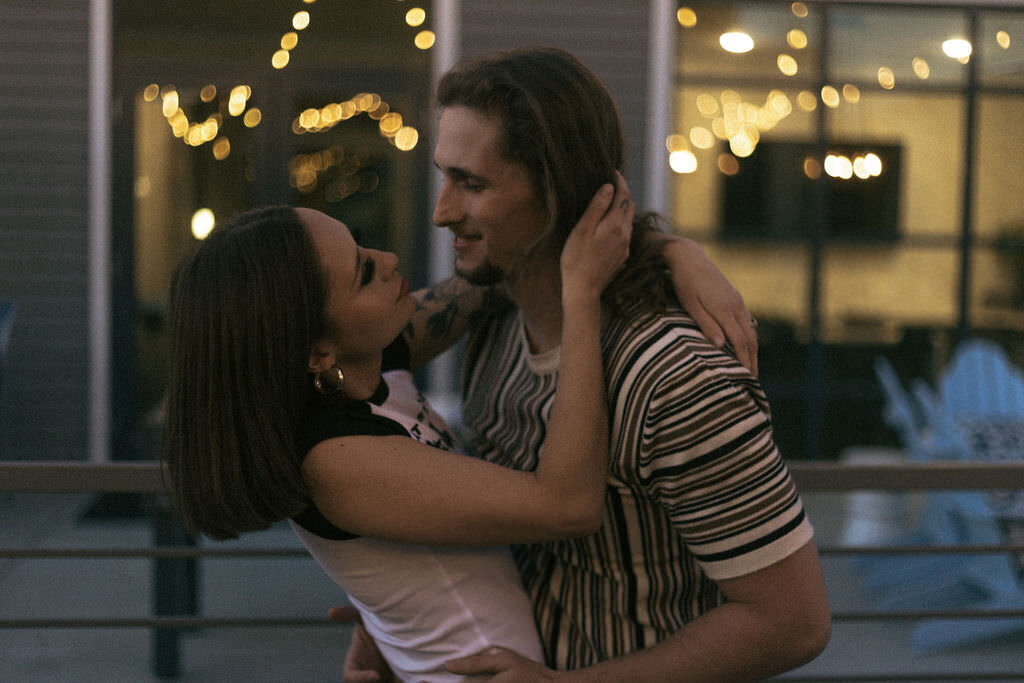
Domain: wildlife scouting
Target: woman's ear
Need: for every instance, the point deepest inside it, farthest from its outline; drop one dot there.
(321, 357)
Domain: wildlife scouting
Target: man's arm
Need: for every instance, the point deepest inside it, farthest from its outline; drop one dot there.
(775, 619)
(443, 314)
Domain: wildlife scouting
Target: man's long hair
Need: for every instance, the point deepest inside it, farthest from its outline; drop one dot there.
(245, 310)
(561, 125)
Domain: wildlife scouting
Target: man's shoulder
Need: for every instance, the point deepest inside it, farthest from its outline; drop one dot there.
(666, 349)
(672, 331)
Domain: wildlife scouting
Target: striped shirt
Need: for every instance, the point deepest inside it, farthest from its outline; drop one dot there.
(697, 490)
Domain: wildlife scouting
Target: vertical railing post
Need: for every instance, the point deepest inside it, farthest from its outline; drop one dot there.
(175, 589)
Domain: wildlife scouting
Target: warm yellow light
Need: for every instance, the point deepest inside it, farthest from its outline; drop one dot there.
(221, 149)
(289, 40)
(1003, 39)
(830, 96)
(886, 78)
(170, 103)
(675, 143)
(203, 222)
(702, 138)
(779, 104)
(797, 39)
(728, 164)
(743, 143)
(799, 9)
(851, 93)
(208, 93)
(860, 168)
(390, 123)
(957, 48)
(300, 20)
(736, 42)
(209, 129)
(787, 65)
(194, 135)
(718, 128)
(378, 112)
(921, 68)
(741, 146)
(707, 105)
(807, 101)
(874, 164)
(686, 17)
(309, 118)
(179, 123)
(151, 92)
(839, 166)
(424, 40)
(812, 168)
(682, 161)
(406, 138)
(367, 101)
(252, 118)
(280, 59)
(416, 16)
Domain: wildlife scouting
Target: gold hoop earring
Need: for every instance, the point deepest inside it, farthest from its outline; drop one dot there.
(329, 381)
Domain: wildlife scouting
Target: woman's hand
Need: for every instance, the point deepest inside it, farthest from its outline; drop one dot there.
(502, 666)
(598, 246)
(711, 300)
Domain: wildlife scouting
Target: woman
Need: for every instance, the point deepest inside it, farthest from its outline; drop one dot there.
(291, 398)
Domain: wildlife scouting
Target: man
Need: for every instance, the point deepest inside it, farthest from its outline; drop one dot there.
(704, 568)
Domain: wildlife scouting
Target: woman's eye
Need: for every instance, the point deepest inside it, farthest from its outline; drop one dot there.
(368, 269)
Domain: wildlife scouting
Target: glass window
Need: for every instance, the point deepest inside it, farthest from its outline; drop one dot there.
(1001, 49)
(867, 123)
(897, 47)
(749, 40)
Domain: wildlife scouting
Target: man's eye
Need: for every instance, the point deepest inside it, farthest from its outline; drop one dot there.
(472, 186)
(368, 269)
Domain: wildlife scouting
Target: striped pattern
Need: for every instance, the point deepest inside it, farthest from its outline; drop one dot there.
(697, 490)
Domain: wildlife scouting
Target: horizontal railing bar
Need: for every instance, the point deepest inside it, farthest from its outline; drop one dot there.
(185, 622)
(180, 552)
(175, 552)
(921, 549)
(147, 477)
(166, 622)
(900, 615)
(936, 475)
(956, 678)
(81, 477)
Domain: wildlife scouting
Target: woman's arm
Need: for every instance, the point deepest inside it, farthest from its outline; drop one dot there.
(709, 297)
(399, 489)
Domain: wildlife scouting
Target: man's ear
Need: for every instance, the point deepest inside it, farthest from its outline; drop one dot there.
(321, 357)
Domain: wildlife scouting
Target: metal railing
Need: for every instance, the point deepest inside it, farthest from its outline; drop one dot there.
(174, 553)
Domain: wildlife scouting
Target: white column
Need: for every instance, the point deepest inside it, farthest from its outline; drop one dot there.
(100, 22)
(446, 52)
(660, 86)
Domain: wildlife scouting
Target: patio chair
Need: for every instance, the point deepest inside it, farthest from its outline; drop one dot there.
(930, 431)
(982, 410)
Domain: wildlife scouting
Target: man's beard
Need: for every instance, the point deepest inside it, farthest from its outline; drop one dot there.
(482, 276)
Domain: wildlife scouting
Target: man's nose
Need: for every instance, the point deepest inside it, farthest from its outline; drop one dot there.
(446, 209)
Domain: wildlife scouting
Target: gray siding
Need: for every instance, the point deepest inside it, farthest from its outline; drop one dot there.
(44, 227)
(609, 36)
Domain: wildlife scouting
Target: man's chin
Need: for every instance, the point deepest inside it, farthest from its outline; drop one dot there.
(481, 276)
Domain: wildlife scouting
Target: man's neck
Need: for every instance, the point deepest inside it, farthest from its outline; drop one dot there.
(538, 295)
